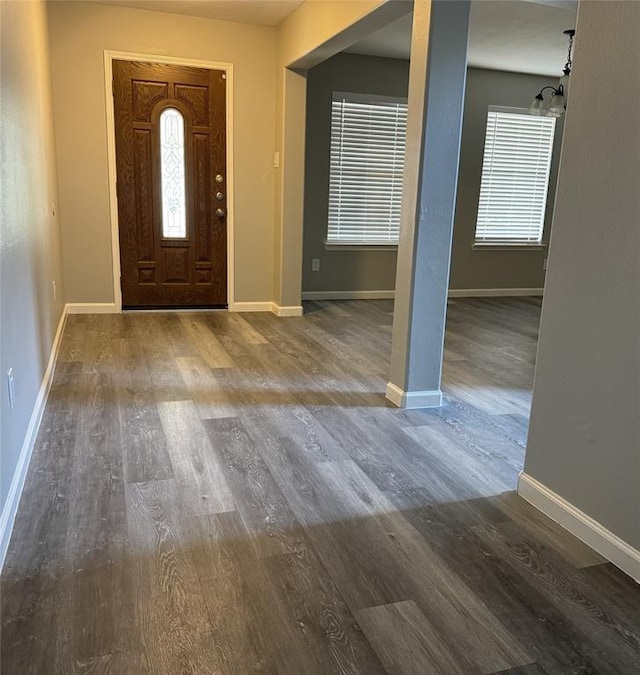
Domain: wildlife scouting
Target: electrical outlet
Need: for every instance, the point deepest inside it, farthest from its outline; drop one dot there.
(11, 387)
(55, 292)
(315, 265)
(276, 160)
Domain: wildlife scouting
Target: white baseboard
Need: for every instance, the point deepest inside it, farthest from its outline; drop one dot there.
(10, 508)
(295, 310)
(413, 399)
(585, 528)
(251, 307)
(284, 310)
(348, 295)
(453, 293)
(493, 292)
(91, 308)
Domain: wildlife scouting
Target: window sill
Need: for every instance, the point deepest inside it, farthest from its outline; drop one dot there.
(508, 247)
(360, 247)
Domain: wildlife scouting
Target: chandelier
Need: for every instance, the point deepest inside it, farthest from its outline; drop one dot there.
(557, 103)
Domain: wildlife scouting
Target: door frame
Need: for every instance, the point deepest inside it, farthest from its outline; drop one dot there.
(109, 57)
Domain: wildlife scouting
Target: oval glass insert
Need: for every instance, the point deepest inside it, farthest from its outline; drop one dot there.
(172, 173)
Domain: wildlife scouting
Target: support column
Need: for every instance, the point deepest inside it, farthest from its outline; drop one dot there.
(436, 99)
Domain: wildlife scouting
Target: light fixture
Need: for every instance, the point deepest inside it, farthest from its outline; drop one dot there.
(558, 102)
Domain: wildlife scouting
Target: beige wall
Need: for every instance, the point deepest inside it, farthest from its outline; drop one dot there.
(79, 34)
(29, 240)
(269, 99)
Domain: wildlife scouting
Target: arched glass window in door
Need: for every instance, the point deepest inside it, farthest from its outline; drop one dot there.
(172, 173)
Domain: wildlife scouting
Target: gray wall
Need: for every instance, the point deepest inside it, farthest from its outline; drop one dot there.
(584, 440)
(29, 241)
(342, 270)
(494, 269)
(375, 270)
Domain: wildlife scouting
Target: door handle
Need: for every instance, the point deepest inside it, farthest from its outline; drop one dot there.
(220, 213)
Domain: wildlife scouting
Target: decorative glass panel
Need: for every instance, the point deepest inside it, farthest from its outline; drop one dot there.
(172, 170)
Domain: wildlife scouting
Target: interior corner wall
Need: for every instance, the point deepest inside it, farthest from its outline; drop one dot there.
(310, 34)
(29, 233)
(584, 435)
(370, 270)
(79, 34)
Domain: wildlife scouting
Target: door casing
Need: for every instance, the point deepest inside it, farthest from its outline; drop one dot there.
(109, 56)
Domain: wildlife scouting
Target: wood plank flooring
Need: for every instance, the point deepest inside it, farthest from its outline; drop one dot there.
(225, 493)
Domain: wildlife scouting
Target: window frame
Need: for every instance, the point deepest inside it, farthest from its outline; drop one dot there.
(361, 244)
(504, 244)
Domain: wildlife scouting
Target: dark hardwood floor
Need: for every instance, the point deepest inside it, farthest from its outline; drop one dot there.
(224, 493)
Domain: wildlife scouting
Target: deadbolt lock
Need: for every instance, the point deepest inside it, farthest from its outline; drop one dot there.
(219, 178)
(219, 196)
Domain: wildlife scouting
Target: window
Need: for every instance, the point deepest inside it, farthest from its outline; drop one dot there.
(367, 162)
(515, 177)
(174, 201)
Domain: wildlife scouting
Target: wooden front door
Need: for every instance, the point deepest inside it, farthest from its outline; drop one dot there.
(171, 184)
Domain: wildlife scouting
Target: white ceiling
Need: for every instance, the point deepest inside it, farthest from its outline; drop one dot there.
(260, 12)
(515, 35)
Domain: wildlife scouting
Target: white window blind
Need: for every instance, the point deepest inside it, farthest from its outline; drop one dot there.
(515, 177)
(367, 162)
